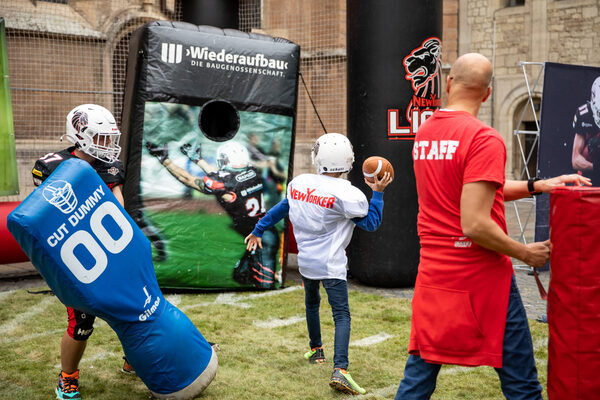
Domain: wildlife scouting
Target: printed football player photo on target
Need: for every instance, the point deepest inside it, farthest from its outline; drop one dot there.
(569, 130)
(570, 122)
(586, 139)
(204, 186)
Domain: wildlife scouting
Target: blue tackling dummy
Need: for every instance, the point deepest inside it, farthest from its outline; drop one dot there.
(95, 258)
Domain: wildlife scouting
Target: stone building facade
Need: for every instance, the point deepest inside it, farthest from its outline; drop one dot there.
(67, 52)
(62, 53)
(512, 31)
(320, 28)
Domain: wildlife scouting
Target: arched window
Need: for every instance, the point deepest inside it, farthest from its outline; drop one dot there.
(515, 3)
(525, 138)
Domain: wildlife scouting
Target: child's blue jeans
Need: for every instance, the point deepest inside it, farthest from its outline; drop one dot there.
(337, 294)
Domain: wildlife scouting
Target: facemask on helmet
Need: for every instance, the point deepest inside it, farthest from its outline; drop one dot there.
(232, 156)
(93, 129)
(595, 101)
(332, 152)
(61, 195)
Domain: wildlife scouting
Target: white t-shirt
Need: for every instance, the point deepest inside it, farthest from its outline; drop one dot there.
(321, 208)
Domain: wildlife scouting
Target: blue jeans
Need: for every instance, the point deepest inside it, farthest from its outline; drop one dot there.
(518, 375)
(337, 294)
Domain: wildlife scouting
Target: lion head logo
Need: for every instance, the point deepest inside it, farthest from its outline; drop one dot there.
(422, 67)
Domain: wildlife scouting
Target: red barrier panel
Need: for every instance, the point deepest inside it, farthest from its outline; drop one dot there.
(10, 251)
(292, 245)
(574, 295)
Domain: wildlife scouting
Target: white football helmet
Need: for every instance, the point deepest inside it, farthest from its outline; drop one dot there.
(93, 129)
(595, 100)
(332, 152)
(232, 156)
(61, 195)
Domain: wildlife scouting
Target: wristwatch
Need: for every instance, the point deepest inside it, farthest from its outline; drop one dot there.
(530, 187)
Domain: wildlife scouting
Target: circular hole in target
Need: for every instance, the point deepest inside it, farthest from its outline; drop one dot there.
(219, 120)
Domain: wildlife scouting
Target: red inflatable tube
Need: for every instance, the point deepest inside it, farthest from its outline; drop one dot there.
(10, 251)
(292, 245)
(574, 295)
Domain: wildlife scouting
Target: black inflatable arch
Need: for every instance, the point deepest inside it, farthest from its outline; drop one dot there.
(394, 67)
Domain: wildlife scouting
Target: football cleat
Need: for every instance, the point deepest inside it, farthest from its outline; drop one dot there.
(250, 270)
(315, 356)
(343, 382)
(127, 368)
(68, 386)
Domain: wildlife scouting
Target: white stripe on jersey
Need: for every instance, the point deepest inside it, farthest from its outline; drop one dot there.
(377, 170)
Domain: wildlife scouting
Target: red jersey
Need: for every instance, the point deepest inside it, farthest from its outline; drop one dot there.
(461, 293)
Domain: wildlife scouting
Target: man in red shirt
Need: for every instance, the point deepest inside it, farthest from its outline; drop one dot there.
(466, 307)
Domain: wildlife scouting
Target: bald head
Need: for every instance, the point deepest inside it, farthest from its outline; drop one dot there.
(468, 83)
(472, 71)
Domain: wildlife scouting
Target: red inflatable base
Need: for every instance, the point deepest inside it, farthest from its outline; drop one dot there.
(292, 245)
(10, 251)
(574, 295)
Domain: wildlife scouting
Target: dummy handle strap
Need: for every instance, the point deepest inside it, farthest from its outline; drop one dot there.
(540, 285)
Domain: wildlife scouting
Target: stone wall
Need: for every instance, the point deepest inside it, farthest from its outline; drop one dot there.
(538, 31)
(60, 55)
(573, 32)
(85, 34)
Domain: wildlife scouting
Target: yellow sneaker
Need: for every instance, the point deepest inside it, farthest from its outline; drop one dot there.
(315, 356)
(343, 382)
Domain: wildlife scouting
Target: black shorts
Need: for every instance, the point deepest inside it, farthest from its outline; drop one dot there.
(81, 325)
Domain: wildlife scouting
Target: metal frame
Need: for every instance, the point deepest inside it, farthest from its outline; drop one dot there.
(524, 220)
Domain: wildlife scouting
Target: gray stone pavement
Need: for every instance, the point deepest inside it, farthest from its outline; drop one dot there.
(24, 275)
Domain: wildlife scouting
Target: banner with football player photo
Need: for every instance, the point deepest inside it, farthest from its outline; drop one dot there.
(569, 130)
(209, 116)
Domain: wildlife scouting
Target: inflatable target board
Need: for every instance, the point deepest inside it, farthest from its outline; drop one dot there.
(574, 294)
(394, 85)
(209, 122)
(95, 259)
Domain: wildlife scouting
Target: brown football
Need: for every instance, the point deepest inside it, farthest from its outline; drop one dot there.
(376, 165)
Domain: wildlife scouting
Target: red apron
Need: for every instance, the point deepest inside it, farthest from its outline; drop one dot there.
(460, 303)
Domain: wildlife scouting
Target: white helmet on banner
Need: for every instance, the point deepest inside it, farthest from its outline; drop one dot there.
(595, 100)
(332, 152)
(93, 129)
(232, 155)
